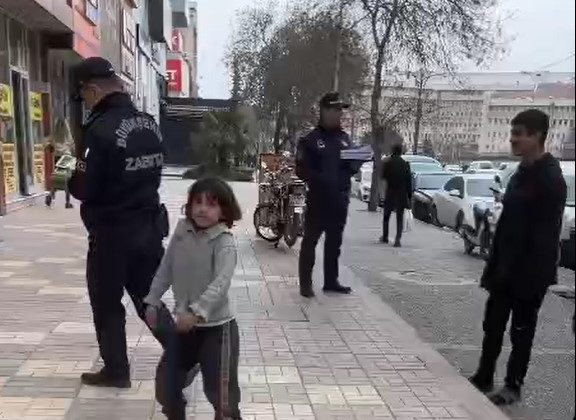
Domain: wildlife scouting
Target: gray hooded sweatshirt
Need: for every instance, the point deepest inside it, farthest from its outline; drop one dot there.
(198, 265)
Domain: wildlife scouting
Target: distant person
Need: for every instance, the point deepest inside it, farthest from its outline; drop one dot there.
(327, 175)
(117, 179)
(199, 265)
(397, 177)
(62, 144)
(523, 261)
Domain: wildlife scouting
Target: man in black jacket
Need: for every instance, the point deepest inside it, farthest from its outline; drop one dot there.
(524, 257)
(117, 183)
(319, 163)
(398, 181)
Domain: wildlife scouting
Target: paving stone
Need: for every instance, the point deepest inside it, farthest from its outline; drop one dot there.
(333, 357)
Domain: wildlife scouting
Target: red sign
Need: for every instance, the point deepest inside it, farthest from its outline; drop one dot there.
(177, 44)
(174, 74)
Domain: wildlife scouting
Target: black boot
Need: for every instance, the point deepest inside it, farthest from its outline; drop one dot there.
(103, 378)
(506, 396)
(481, 384)
(307, 292)
(337, 288)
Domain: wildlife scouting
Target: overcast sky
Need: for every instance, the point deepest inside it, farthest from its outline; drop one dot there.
(543, 31)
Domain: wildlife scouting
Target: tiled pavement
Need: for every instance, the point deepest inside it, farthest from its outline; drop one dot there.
(330, 358)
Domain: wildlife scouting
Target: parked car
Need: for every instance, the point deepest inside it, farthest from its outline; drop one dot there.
(480, 166)
(362, 182)
(455, 169)
(568, 233)
(425, 186)
(453, 205)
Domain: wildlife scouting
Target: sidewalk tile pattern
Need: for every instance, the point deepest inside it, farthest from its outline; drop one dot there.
(330, 358)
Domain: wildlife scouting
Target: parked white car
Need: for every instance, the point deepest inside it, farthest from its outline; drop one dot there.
(481, 166)
(453, 205)
(362, 182)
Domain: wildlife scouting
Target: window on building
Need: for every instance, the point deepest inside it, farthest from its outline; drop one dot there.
(17, 35)
(4, 65)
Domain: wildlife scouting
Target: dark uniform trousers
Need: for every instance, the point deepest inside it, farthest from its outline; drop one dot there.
(321, 218)
(216, 350)
(500, 304)
(122, 255)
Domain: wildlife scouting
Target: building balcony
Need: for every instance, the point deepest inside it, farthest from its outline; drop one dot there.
(52, 16)
(180, 14)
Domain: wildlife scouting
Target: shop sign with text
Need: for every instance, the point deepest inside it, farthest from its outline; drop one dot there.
(174, 75)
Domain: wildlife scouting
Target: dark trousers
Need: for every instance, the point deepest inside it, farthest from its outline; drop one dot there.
(330, 222)
(216, 350)
(399, 221)
(121, 256)
(499, 306)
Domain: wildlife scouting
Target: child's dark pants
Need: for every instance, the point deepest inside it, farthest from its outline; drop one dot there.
(216, 351)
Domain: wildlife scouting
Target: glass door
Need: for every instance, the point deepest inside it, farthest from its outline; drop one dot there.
(22, 133)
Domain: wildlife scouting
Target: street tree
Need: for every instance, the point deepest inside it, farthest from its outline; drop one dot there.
(290, 66)
(439, 34)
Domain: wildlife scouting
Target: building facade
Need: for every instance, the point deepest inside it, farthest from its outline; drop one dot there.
(469, 117)
(30, 95)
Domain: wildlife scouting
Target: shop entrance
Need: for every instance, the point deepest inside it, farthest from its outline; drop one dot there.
(22, 133)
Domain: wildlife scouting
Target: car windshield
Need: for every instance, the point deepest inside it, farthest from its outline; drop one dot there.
(570, 185)
(479, 187)
(420, 167)
(367, 176)
(432, 181)
(485, 165)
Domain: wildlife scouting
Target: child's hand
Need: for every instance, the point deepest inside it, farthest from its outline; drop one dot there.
(186, 322)
(152, 317)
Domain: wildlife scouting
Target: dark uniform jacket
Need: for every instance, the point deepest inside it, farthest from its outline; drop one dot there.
(319, 164)
(525, 251)
(123, 163)
(396, 172)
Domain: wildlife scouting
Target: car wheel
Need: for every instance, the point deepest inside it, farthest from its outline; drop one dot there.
(434, 216)
(459, 221)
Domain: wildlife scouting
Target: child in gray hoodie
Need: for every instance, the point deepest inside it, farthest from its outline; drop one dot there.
(199, 265)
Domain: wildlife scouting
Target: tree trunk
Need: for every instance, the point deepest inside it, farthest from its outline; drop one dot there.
(418, 119)
(377, 131)
(278, 129)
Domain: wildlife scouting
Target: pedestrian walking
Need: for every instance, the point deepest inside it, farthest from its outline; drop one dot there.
(320, 165)
(62, 144)
(117, 180)
(397, 177)
(523, 260)
(199, 265)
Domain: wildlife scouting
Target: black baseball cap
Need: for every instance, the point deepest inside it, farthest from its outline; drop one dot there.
(332, 100)
(89, 69)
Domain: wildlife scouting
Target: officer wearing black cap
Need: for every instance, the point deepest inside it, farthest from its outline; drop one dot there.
(117, 180)
(319, 163)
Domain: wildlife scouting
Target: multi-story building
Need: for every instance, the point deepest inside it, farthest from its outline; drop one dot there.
(181, 59)
(39, 41)
(468, 116)
(152, 36)
(557, 100)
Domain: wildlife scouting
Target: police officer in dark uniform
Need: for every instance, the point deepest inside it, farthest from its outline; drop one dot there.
(319, 163)
(117, 183)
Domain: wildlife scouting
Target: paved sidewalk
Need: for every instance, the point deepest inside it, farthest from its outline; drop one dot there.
(335, 357)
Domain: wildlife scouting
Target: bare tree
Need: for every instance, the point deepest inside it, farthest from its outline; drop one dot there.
(434, 33)
(285, 75)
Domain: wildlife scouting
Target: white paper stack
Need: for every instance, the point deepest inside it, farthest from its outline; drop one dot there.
(363, 153)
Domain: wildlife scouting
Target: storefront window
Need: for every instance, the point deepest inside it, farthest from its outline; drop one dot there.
(19, 51)
(4, 68)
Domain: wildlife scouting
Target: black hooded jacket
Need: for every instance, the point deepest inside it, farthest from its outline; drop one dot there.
(525, 251)
(123, 154)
